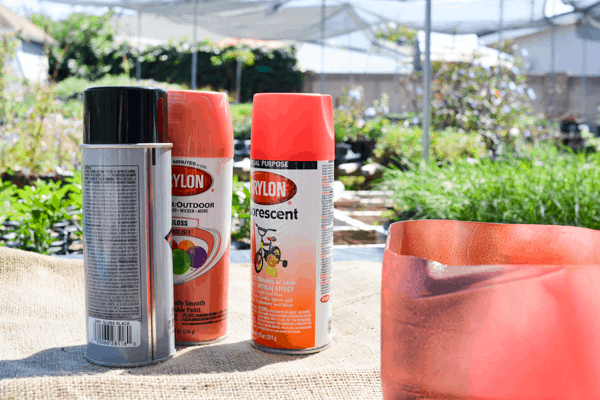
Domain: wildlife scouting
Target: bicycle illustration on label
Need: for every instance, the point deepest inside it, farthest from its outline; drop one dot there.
(272, 254)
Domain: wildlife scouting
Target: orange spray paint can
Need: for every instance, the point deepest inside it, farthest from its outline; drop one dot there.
(202, 174)
(291, 188)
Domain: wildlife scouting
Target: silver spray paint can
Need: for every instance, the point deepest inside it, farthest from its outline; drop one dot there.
(126, 161)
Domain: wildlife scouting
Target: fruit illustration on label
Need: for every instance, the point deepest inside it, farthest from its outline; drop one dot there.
(200, 247)
(181, 262)
(267, 252)
(198, 256)
(185, 245)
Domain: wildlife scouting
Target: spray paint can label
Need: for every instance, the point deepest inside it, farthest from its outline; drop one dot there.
(201, 239)
(127, 245)
(291, 280)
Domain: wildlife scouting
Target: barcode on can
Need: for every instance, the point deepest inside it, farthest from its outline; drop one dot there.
(114, 333)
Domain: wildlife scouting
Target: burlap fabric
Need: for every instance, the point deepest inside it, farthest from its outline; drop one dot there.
(42, 343)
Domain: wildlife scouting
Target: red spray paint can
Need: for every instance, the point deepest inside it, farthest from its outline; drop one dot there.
(202, 174)
(292, 222)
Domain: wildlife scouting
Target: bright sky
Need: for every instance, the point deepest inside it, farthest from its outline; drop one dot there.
(59, 11)
(55, 11)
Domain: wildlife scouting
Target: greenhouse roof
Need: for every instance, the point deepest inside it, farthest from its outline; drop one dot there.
(301, 19)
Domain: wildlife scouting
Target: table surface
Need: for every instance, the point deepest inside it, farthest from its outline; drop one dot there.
(43, 340)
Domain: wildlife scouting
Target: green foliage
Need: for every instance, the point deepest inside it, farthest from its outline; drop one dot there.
(450, 144)
(241, 209)
(73, 86)
(75, 196)
(70, 108)
(591, 140)
(242, 129)
(23, 146)
(355, 182)
(27, 141)
(548, 187)
(349, 118)
(86, 45)
(7, 193)
(274, 70)
(240, 111)
(402, 146)
(374, 129)
(7, 52)
(233, 53)
(397, 34)
(537, 128)
(241, 116)
(87, 50)
(473, 98)
(39, 207)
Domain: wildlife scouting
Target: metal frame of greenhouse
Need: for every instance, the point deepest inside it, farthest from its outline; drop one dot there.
(315, 21)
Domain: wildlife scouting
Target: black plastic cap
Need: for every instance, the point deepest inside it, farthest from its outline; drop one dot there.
(124, 115)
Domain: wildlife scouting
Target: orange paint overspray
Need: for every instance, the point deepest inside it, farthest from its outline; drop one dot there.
(291, 188)
(202, 174)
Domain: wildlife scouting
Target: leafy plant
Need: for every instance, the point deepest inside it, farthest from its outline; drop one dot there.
(73, 87)
(7, 193)
(450, 144)
(242, 129)
(69, 108)
(402, 146)
(537, 128)
(240, 111)
(23, 146)
(472, 97)
(86, 45)
(547, 187)
(241, 210)
(229, 57)
(397, 34)
(75, 200)
(355, 182)
(7, 51)
(34, 138)
(38, 208)
(87, 50)
(349, 117)
(241, 117)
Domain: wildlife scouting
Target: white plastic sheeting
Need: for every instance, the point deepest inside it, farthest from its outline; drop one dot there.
(296, 19)
(264, 22)
(338, 61)
(300, 19)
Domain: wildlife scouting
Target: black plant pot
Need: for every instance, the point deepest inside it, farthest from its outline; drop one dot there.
(570, 135)
(364, 147)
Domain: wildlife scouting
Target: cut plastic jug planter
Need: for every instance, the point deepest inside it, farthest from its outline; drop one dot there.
(490, 311)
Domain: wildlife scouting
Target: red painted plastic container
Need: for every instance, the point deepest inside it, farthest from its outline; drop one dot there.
(508, 312)
(202, 174)
(292, 152)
